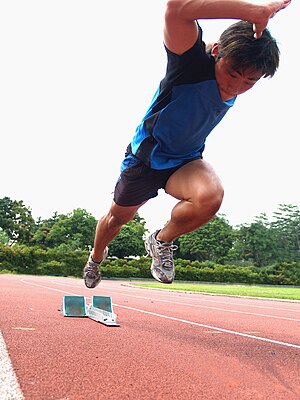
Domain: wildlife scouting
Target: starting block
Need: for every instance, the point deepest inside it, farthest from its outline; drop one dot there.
(100, 309)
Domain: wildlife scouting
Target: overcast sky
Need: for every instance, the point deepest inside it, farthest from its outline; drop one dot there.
(77, 76)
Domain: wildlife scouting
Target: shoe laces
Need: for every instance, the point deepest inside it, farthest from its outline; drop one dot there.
(92, 268)
(165, 252)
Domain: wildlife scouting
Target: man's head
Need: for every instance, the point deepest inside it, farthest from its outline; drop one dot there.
(241, 60)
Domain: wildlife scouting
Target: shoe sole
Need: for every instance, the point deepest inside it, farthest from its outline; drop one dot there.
(93, 285)
(153, 273)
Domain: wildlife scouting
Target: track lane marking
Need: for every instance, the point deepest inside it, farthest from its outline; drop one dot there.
(204, 300)
(200, 306)
(211, 308)
(21, 328)
(9, 388)
(214, 328)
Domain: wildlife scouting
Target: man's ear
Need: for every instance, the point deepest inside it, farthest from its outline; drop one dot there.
(215, 50)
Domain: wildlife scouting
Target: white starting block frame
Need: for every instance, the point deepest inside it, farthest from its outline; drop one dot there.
(100, 309)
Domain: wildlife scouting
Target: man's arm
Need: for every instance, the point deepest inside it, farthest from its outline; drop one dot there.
(180, 31)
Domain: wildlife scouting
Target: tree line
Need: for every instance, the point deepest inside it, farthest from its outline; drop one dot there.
(261, 243)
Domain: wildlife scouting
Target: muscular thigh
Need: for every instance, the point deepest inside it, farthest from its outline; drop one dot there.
(123, 214)
(194, 179)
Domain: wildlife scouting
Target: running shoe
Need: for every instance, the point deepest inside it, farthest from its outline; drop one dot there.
(91, 272)
(162, 267)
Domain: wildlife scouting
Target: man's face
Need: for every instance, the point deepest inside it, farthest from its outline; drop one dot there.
(232, 82)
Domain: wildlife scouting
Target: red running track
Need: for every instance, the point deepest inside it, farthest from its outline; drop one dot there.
(170, 345)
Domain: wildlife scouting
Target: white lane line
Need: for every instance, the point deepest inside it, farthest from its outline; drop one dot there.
(9, 386)
(237, 298)
(170, 292)
(215, 328)
(50, 288)
(210, 308)
(199, 306)
(212, 327)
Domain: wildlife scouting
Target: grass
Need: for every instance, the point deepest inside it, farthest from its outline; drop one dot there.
(274, 292)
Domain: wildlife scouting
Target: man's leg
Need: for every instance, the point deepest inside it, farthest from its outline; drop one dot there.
(109, 226)
(200, 192)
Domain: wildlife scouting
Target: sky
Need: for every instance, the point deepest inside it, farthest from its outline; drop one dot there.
(77, 77)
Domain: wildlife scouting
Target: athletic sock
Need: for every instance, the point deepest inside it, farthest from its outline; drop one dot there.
(160, 241)
(96, 262)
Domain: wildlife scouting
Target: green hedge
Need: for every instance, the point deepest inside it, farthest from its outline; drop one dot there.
(36, 261)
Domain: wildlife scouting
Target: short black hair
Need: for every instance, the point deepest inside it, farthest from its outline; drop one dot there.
(238, 43)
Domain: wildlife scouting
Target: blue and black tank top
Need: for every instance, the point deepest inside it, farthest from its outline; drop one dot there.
(184, 110)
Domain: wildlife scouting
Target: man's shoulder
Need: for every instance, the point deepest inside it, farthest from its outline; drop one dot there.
(198, 48)
(195, 65)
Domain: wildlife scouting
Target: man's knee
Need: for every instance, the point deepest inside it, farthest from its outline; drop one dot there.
(120, 215)
(209, 199)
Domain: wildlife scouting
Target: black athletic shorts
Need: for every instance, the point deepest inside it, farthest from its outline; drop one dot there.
(139, 183)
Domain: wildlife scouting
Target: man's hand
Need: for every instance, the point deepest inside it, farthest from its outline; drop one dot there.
(271, 10)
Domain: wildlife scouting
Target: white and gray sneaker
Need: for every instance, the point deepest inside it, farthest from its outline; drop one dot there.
(91, 272)
(162, 267)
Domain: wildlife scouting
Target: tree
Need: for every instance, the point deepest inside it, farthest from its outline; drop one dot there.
(43, 229)
(286, 232)
(254, 242)
(72, 231)
(210, 242)
(129, 241)
(16, 221)
(4, 239)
